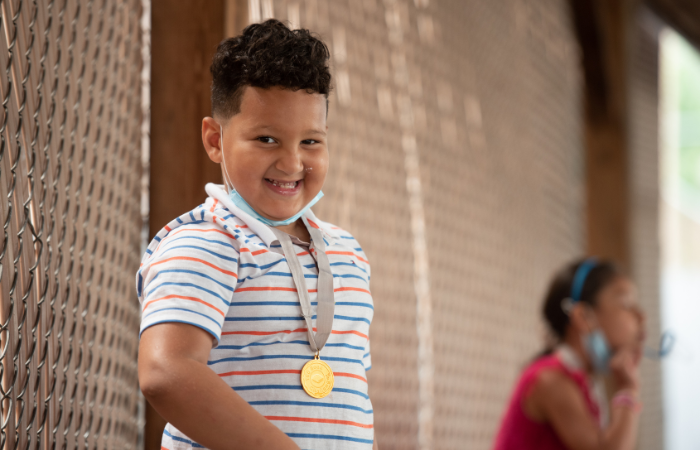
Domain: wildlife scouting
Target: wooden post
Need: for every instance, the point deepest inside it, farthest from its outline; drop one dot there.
(184, 38)
(236, 17)
(602, 28)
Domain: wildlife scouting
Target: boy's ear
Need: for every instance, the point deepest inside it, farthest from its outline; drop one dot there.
(211, 138)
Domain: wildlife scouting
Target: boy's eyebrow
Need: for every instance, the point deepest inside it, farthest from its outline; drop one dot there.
(310, 131)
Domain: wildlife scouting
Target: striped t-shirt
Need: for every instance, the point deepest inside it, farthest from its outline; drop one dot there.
(221, 270)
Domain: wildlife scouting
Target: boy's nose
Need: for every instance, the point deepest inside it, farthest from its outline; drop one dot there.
(290, 161)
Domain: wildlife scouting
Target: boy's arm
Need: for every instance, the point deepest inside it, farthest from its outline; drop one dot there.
(177, 382)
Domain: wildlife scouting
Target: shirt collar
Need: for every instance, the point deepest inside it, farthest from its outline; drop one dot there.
(218, 192)
(572, 362)
(569, 358)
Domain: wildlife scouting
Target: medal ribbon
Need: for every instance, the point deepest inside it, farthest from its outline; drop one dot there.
(325, 294)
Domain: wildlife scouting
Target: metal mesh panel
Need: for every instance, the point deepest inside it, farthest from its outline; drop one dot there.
(456, 160)
(69, 183)
(644, 190)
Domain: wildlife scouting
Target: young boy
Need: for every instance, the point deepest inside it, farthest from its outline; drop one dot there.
(256, 314)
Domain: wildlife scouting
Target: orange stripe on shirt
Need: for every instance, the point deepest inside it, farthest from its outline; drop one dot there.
(193, 299)
(309, 419)
(255, 253)
(189, 258)
(352, 289)
(349, 375)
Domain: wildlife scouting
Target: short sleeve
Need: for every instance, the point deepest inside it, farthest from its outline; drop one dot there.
(188, 279)
(367, 358)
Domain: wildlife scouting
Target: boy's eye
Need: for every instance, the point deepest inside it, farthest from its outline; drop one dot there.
(266, 140)
(309, 142)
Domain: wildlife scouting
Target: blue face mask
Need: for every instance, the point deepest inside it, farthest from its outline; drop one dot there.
(243, 205)
(598, 350)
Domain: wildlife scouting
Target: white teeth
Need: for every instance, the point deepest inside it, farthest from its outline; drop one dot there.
(284, 185)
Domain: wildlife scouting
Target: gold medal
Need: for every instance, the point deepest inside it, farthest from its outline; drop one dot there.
(317, 378)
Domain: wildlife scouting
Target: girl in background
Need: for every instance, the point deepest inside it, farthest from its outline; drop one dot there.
(559, 401)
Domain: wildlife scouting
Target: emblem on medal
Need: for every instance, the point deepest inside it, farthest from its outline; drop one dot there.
(317, 378)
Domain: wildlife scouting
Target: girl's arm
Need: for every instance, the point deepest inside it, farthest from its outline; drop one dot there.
(177, 382)
(558, 401)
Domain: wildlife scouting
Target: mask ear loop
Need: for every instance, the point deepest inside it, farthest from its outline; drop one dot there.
(227, 178)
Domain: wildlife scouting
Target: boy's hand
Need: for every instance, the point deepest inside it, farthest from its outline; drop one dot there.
(177, 382)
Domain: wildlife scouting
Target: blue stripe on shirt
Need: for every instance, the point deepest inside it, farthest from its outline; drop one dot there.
(272, 303)
(254, 319)
(179, 439)
(181, 321)
(218, 255)
(264, 344)
(196, 286)
(260, 344)
(316, 404)
(193, 272)
(305, 357)
(213, 241)
(295, 388)
(263, 267)
(182, 309)
(330, 436)
(347, 264)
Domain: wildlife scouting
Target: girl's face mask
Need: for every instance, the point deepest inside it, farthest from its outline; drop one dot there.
(598, 350)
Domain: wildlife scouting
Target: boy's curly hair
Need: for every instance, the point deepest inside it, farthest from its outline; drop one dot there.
(267, 54)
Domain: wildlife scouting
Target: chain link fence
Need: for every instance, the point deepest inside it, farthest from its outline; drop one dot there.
(70, 188)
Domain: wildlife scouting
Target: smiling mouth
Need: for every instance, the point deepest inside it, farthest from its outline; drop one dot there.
(283, 184)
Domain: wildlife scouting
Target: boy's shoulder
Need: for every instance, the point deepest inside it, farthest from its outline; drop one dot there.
(208, 222)
(341, 235)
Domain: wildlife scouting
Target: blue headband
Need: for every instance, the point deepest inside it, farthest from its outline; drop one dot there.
(580, 278)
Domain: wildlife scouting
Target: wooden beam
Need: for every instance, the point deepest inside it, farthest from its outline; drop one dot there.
(184, 38)
(602, 27)
(236, 16)
(682, 15)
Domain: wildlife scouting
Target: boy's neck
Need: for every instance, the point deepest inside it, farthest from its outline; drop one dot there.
(297, 229)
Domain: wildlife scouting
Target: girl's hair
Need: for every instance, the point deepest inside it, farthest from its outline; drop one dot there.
(560, 289)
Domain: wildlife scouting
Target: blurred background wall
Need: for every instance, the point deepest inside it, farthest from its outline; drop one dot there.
(475, 148)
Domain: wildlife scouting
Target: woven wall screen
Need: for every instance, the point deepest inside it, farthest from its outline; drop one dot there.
(456, 160)
(70, 188)
(644, 190)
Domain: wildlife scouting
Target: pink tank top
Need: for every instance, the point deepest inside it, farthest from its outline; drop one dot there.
(519, 432)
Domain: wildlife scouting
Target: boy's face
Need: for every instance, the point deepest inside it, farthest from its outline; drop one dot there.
(275, 149)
